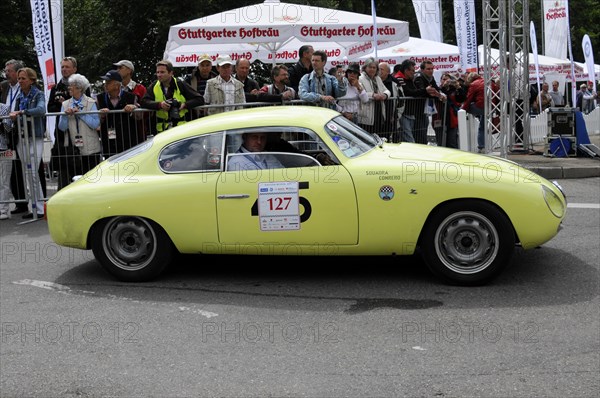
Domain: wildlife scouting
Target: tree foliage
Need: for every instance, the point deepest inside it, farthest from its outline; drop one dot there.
(101, 32)
(16, 35)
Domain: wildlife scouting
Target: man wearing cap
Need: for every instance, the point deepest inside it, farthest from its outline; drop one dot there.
(167, 91)
(118, 131)
(198, 78)
(224, 89)
(125, 69)
(201, 74)
(584, 100)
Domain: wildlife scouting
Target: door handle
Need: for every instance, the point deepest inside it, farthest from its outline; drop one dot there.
(234, 196)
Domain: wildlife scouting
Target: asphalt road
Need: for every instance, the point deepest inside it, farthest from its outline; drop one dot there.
(348, 327)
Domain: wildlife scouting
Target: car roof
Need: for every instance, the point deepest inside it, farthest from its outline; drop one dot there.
(312, 117)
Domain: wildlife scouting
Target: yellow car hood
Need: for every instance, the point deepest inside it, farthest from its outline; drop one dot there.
(419, 153)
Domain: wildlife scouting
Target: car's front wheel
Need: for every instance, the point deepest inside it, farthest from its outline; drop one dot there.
(133, 249)
(468, 242)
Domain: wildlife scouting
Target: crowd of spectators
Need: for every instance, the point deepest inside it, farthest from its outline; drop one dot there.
(399, 105)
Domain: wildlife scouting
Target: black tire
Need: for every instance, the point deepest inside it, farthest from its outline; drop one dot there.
(467, 242)
(133, 249)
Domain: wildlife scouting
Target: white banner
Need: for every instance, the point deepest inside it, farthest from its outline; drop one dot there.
(374, 14)
(429, 17)
(586, 44)
(46, 16)
(572, 74)
(556, 27)
(466, 34)
(536, 62)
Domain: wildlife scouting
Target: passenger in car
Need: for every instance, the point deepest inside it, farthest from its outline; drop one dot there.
(243, 159)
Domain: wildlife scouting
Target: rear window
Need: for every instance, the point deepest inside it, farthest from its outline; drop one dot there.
(203, 153)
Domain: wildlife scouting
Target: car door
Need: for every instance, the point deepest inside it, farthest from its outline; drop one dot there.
(324, 197)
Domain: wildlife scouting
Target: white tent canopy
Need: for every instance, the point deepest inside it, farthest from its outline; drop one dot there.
(445, 57)
(272, 24)
(548, 66)
(287, 53)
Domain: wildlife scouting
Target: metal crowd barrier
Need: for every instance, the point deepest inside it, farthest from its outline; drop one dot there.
(56, 160)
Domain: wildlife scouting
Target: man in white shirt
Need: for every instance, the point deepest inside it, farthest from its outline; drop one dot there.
(557, 96)
(224, 89)
(244, 159)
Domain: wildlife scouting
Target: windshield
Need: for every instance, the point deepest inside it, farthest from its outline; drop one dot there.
(349, 138)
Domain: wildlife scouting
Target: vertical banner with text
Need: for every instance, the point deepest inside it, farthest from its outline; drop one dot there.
(428, 14)
(586, 45)
(536, 61)
(570, 47)
(466, 34)
(47, 20)
(374, 14)
(556, 28)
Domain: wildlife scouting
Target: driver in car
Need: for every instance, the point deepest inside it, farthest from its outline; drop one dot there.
(244, 159)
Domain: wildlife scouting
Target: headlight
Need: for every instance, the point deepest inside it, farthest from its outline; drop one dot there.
(555, 204)
(557, 185)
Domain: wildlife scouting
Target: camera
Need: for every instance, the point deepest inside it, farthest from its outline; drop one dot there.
(174, 110)
(60, 95)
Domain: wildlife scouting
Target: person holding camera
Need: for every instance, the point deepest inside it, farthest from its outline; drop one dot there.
(356, 95)
(171, 98)
(446, 130)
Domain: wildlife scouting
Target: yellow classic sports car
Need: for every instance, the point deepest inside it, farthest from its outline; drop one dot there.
(298, 180)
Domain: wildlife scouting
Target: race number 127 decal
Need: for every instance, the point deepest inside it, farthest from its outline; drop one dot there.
(278, 206)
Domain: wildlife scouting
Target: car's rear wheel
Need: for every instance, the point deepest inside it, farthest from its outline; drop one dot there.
(468, 242)
(133, 249)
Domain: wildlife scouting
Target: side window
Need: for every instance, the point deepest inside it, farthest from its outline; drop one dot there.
(203, 153)
(274, 147)
(309, 143)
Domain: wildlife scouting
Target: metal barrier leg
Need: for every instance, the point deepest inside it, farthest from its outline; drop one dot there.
(30, 150)
(5, 172)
